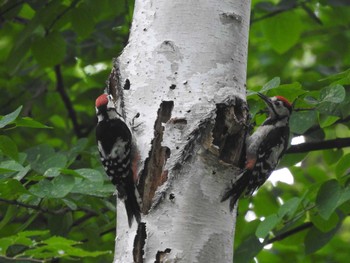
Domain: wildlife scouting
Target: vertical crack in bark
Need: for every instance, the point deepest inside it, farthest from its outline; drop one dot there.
(228, 134)
(139, 243)
(153, 174)
(160, 257)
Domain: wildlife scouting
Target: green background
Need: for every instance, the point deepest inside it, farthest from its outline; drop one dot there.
(56, 204)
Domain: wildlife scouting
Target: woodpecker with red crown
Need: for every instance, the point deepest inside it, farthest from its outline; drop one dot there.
(264, 149)
(118, 154)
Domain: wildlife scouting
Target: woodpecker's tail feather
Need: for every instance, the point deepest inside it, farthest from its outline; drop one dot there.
(237, 189)
(132, 207)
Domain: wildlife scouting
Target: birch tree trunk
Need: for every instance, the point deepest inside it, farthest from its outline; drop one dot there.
(181, 83)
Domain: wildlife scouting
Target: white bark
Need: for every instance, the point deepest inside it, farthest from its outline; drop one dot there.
(192, 56)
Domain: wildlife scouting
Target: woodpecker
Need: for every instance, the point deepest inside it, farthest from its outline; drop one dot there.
(264, 149)
(118, 154)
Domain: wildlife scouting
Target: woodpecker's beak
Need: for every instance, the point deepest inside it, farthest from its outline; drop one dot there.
(266, 99)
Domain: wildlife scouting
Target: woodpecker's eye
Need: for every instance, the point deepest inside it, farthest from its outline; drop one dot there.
(277, 103)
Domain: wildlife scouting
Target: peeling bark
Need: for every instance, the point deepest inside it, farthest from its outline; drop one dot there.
(180, 83)
(154, 174)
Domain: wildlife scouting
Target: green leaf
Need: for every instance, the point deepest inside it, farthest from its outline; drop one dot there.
(247, 250)
(325, 225)
(11, 166)
(76, 149)
(59, 187)
(282, 31)
(316, 239)
(22, 238)
(50, 50)
(10, 189)
(326, 121)
(272, 84)
(93, 188)
(328, 197)
(52, 172)
(39, 152)
(334, 94)
(330, 99)
(338, 76)
(343, 165)
(61, 247)
(292, 159)
(91, 174)
(30, 123)
(8, 147)
(345, 196)
(288, 208)
(83, 20)
(9, 118)
(20, 175)
(267, 225)
(332, 156)
(11, 212)
(72, 205)
(57, 160)
(17, 57)
(311, 100)
(291, 91)
(301, 121)
(60, 224)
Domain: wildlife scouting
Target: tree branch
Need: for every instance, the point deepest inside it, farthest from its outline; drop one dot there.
(89, 214)
(59, 16)
(111, 230)
(66, 100)
(322, 145)
(290, 232)
(11, 7)
(22, 259)
(35, 207)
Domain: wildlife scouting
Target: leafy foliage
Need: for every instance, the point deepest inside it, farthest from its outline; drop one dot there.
(55, 57)
(307, 221)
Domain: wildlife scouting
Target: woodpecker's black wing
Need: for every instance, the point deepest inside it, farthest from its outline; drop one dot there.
(114, 142)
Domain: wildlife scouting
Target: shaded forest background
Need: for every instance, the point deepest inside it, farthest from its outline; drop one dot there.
(56, 204)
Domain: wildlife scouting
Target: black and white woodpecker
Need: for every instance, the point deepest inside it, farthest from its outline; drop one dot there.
(264, 149)
(118, 154)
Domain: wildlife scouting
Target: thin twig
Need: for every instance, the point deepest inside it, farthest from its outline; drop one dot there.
(11, 7)
(23, 259)
(66, 100)
(59, 16)
(272, 14)
(35, 207)
(101, 234)
(289, 233)
(89, 214)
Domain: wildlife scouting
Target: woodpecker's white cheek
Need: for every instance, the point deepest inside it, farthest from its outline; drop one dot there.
(99, 117)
